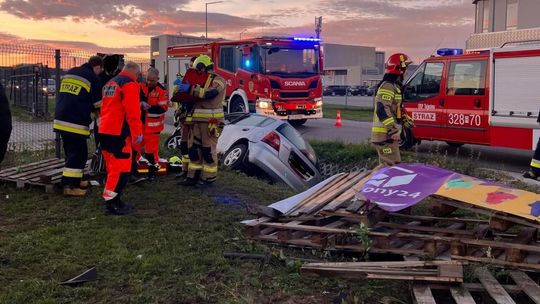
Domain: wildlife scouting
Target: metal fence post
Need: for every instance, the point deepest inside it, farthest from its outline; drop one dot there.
(57, 148)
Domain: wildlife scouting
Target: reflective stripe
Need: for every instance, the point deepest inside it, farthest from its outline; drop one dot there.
(210, 169)
(98, 104)
(163, 103)
(69, 172)
(201, 114)
(185, 159)
(108, 194)
(385, 91)
(76, 80)
(208, 111)
(535, 163)
(70, 127)
(194, 166)
(388, 121)
(387, 150)
(379, 130)
(155, 115)
(154, 124)
(385, 97)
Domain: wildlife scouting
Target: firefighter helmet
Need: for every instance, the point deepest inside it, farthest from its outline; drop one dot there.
(203, 61)
(397, 64)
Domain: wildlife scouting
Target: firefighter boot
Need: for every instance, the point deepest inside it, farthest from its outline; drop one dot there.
(152, 169)
(71, 191)
(118, 207)
(181, 175)
(188, 182)
(135, 179)
(84, 185)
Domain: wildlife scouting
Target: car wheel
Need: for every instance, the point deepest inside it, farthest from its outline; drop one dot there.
(237, 105)
(333, 93)
(234, 157)
(297, 122)
(407, 140)
(173, 142)
(454, 144)
(349, 94)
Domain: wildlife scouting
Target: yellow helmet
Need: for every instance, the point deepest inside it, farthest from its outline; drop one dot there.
(203, 61)
(175, 160)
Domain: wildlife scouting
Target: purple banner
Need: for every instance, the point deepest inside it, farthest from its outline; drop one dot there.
(401, 186)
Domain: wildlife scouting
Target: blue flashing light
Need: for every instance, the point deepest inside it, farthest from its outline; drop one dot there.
(247, 63)
(449, 52)
(306, 39)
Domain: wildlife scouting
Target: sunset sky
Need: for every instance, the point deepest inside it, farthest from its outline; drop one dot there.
(416, 27)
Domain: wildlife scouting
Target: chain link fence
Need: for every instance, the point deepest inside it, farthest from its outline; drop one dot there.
(31, 76)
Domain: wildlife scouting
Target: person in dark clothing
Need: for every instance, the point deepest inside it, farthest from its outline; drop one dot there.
(5, 123)
(79, 96)
(534, 170)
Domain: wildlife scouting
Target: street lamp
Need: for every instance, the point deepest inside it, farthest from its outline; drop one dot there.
(245, 30)
(206, 15)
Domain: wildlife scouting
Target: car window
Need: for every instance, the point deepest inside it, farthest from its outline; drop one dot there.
(255, 121)
(467, 78)
(296, 139)
(425, 82)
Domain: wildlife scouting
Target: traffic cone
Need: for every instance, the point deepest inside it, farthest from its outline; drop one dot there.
(338, 120)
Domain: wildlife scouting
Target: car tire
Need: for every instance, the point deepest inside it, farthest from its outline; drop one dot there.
(237, 105)
(333, 93)
(454, 144)
(234, 157)
(173, 142)
(407, 140)
(297, 122)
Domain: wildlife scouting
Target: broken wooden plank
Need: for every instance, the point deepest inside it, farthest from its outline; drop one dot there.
(497, 261)
(525, 236)
(528, 286)
(461, 295)
(434, 218)
(422, 294)
(492, 286)
(446, 231)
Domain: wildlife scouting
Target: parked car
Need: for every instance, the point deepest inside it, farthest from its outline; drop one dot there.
(371, 90)
(339, 90)
(253, 141)
(359, 90)
(48, 86)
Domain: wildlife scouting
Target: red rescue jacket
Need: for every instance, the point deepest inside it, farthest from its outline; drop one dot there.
(154, 118)
(120, 111)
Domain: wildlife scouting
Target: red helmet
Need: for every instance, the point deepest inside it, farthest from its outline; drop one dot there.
(397, 64)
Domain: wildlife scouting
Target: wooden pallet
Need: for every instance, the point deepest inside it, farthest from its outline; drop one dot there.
(46, 173)
(442, 238)
(500, 293)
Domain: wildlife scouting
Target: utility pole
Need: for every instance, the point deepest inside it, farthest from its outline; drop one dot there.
(318, 26)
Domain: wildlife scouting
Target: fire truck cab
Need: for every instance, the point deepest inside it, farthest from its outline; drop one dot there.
(485, 97)
(274, 76)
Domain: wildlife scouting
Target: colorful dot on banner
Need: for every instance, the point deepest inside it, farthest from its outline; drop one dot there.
(459, 183)
(535, 208)
(498, 197)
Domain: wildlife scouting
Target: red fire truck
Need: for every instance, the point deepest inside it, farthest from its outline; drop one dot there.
(484, 97)
(275, 76)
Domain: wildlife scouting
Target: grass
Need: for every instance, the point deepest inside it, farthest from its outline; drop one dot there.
(349, 113)
(169, 251)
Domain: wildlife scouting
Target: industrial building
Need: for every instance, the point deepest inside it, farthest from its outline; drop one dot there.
(352, 65)
(504, 21)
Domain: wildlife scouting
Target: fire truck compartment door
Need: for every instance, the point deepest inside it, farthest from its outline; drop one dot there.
(515, 93)
(466, 111)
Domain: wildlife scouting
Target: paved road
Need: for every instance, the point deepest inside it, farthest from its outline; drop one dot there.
(358, 101)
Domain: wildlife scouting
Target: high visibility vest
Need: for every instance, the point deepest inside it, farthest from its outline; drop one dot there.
(157, 98)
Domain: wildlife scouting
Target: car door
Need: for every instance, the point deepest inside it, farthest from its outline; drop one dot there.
(466, 103)
(422, 99)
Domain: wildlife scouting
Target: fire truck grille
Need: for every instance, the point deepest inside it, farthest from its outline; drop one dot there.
(294, 94)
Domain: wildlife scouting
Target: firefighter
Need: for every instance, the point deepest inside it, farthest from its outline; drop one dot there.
(155, 106)
(5, 122)
(534, 171)
(79, 96)
(186, 127)
(207, 117)
(120, 132)
(387, 116)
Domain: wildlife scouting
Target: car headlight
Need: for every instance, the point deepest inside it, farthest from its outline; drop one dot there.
(264, 103)
(318, 102)
(44, 89)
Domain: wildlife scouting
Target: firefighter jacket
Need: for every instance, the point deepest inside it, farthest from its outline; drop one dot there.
(121, 110)
(387, 112)
(79, 96)
(209, 107)
(154, 117)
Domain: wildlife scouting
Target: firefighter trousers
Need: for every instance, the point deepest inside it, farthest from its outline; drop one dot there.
(185, 143)
(76, 154)
(202, 153)
(151, 147)
(535, 162)
(117, 152)
(388, 152)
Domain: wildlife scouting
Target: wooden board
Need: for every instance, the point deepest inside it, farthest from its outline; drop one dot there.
(493, 287)
(461, 295)
(422, 294)
(526, 284)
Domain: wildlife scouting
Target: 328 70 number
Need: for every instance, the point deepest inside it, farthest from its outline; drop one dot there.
(472, 120)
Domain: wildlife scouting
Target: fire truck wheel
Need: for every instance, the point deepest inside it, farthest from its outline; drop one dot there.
(297, 122)
(234, 157)
(237, 105)
(407, 139)
(454, 144)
